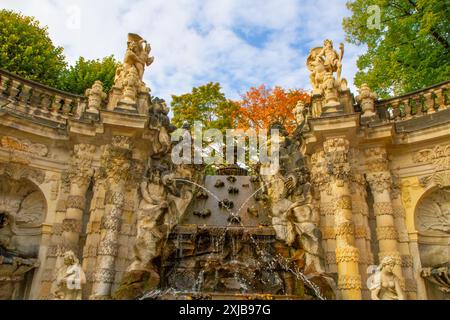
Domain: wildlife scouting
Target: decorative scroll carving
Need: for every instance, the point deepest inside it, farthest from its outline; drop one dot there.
(23, 145)
(439, 156)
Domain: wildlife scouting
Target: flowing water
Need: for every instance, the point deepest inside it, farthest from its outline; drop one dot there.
(266, 260)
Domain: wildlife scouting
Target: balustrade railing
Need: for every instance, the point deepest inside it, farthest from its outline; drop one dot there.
(30, 97)
(415, 104)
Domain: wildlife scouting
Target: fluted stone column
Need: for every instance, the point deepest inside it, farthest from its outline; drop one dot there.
(115, 166)
(347, 255)
(79, 176)
(380, 182)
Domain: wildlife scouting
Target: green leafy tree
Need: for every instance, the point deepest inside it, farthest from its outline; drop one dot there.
(409, 50)
(206, 104)
(84, 73)
(27, 50)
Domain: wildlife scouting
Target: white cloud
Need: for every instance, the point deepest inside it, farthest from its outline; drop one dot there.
(195, 42)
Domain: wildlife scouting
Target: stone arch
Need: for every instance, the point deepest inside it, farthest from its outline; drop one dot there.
(24, 208)
(432, 222)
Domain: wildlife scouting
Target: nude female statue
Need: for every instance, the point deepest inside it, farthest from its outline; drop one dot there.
(384, 284)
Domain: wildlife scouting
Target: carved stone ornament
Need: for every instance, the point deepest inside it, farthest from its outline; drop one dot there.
(336, 155)
(366, 99)
(379, 181)
(322, 61)
(80, 169)
(349, 282)
(433, 212)
(383, 283)
(23, 145)
(17, 172)
(439, 156)
(70, 279)
(95, 96)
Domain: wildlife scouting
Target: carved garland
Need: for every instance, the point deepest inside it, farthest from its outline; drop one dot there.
(347, 254)
(383, 208)
(387, 233)
(349, 282)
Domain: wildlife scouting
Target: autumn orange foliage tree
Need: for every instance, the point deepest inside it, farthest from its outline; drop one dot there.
(260, 107)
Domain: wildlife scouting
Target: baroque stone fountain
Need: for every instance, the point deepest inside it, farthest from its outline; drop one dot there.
(225, 247)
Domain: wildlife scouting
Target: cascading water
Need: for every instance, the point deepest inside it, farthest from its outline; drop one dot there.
(229, 252)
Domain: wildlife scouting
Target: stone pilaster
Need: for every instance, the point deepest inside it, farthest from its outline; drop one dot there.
(380, 181)
(321, 182)
(360, 218)
(347, 255)
(115, 169)
(79, 177)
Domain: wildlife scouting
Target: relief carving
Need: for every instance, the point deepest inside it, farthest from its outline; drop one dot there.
(23, 145)
(433, 212)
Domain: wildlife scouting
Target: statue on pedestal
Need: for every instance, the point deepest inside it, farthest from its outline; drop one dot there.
(70, 278)
(129, 90)
(323, 62)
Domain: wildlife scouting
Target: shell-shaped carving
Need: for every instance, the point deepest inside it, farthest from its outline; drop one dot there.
(433, 212)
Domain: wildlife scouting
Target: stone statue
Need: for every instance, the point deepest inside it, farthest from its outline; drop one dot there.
(95, 97)
(384, 284)
(332, 61)
(151, 213)
(322, 61)
(302, 227)
(137, 55)
(129, 91)
(70, 278)
(299, 112)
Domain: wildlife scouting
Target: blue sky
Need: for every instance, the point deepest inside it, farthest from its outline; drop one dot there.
(238, 43)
